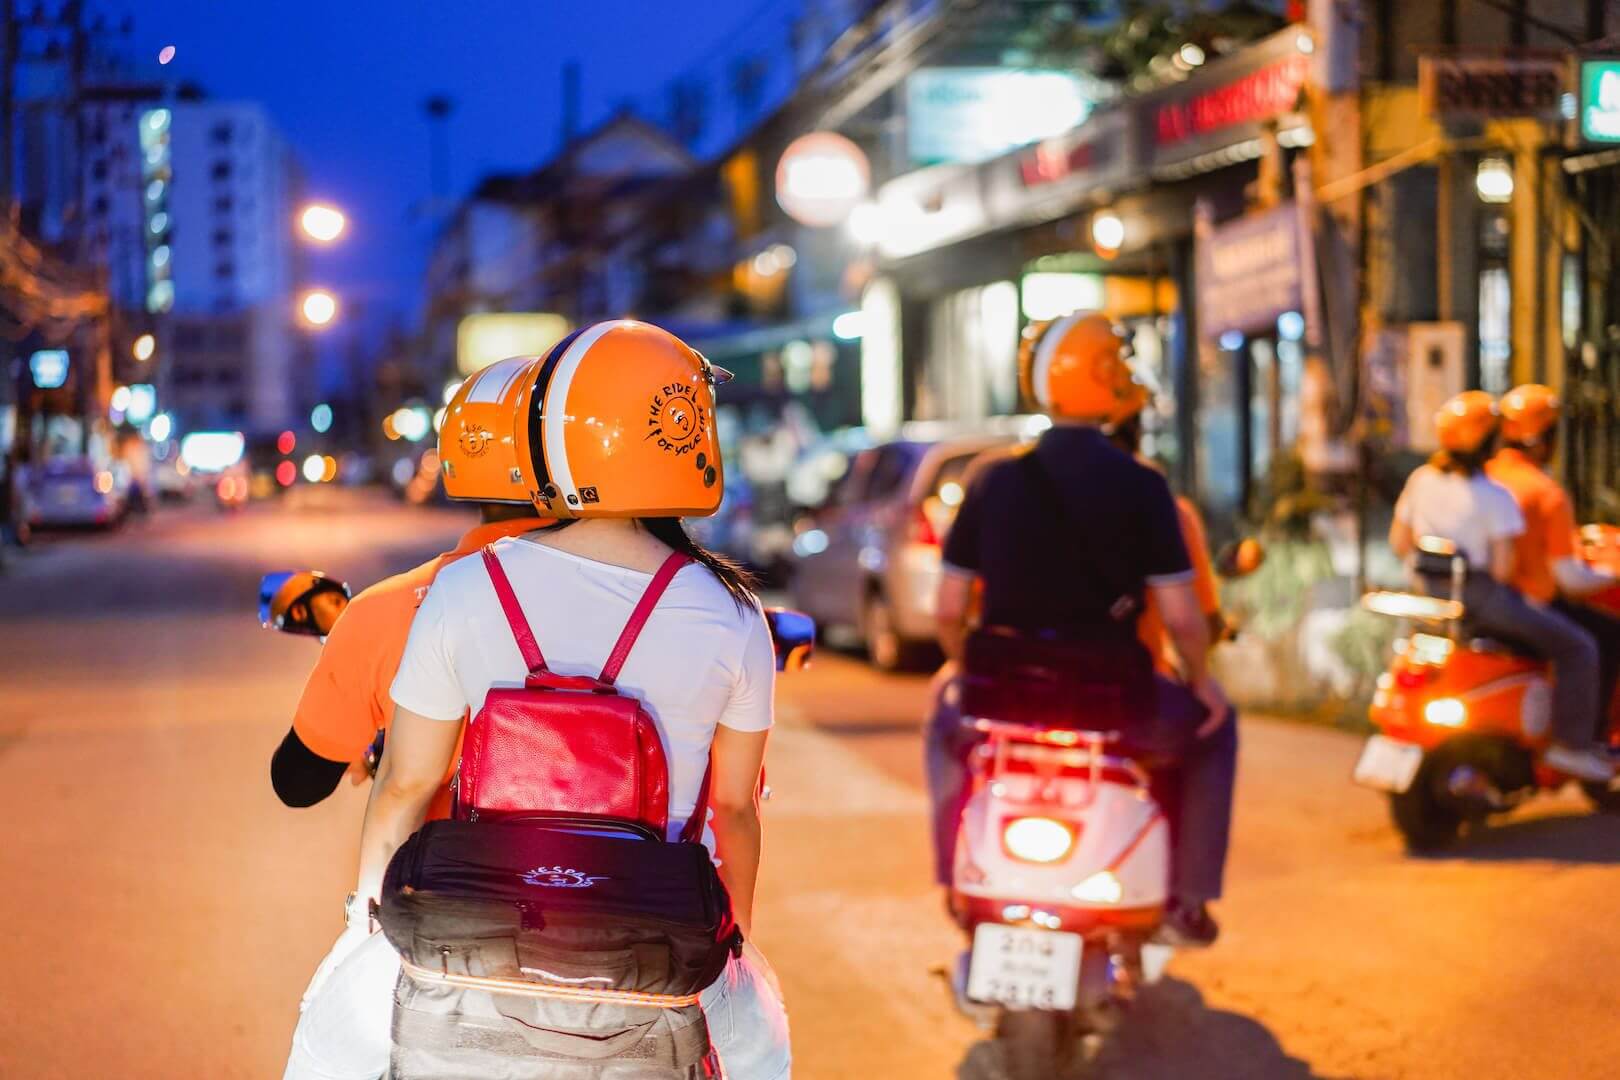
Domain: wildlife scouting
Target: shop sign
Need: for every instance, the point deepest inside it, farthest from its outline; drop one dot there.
(1250, 272)
(1486, 87)
(1600, 100)
(929, 209)
(1046, 180)
(1071, 156)
(822, 177)
(1263, 94)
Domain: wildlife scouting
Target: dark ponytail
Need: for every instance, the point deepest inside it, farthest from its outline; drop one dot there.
(1467, 463)
(737, 581)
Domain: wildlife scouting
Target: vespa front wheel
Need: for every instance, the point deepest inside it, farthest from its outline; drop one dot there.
(1423, 820)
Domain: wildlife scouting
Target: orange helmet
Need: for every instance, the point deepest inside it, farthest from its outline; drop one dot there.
(1467, 421)
(1075, 367)
(1528, 412)
(617, 420)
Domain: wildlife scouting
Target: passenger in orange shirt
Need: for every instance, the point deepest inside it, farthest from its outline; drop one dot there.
(1546, 568)
(1127, 435)
(345, 703)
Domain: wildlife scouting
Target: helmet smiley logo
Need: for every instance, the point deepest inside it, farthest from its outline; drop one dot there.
(675, 419)
(474, 440)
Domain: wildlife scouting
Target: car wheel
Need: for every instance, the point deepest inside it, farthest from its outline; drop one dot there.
(885, 647)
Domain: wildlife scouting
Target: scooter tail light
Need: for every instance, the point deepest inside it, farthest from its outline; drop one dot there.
(1411, 678)
(1037, 839)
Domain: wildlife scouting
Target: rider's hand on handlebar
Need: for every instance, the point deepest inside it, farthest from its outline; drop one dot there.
(1213, 698)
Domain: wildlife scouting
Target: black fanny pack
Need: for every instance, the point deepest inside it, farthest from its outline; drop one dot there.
(559, 906)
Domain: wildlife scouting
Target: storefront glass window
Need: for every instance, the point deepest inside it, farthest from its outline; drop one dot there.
(972, 368)
(1495, 330)
(1220, 446)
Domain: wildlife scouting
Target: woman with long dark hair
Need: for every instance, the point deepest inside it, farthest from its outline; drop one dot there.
(613, 431)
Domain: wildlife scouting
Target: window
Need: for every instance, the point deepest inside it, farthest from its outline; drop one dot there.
(890, 472)
(98, 169)
(99, 206)
(221, 134)
(223, 204)
(222, 238)
(224, 271)
(221, 169)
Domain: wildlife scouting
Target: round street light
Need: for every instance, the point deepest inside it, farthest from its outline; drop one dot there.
(319, 307)
(143, 348)
(322, 223)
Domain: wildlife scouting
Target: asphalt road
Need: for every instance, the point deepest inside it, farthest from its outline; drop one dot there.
(161, 912)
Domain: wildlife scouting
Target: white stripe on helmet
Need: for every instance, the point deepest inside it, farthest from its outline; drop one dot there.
(491, 383)
(552, 417)
(1044, 352)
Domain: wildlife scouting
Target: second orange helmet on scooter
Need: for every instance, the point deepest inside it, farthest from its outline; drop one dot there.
(617, 420)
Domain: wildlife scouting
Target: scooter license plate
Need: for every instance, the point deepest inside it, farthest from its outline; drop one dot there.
(1388, 765)
(1024, 969)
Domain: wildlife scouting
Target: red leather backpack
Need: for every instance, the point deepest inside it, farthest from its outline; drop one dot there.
(568, 744)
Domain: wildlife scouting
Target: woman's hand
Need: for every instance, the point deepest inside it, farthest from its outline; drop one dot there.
(415, 758)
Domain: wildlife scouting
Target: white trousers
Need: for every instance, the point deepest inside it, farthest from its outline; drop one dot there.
(344, 1031)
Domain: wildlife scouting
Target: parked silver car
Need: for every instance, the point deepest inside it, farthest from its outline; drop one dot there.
(867, 562)
(75, 491)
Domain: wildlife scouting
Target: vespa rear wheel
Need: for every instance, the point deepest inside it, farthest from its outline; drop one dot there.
(1425, 822)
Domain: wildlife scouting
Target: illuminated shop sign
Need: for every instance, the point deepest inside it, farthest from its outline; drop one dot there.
(1600, 100)
(973, 114)
(1260, 95)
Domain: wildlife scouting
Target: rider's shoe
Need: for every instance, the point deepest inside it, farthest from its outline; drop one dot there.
(1188, 926)
(1591, 765)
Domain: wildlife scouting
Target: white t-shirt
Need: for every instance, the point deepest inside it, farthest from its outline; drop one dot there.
(1470, 511)
(701, 660)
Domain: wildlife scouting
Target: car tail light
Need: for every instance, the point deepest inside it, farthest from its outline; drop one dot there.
(922, 529)
(1037, 839)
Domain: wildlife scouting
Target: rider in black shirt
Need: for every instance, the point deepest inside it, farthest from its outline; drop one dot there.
(1066, 540)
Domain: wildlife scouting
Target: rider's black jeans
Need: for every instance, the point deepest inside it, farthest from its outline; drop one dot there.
(1196, 791)
(1605, 630)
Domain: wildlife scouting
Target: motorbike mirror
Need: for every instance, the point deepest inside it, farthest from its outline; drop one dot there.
(793, 634)
(301, 602)
(1241, 558)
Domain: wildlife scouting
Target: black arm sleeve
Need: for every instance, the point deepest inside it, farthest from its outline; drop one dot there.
(300, 776)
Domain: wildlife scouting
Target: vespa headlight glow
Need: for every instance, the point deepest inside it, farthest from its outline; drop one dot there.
(1037, 839)
(1446, 712)
(1103, 887)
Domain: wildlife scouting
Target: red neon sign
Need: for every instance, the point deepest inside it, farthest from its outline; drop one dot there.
(1259, 95)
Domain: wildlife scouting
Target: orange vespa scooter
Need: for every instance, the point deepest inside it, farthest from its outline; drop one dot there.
(1462, 719)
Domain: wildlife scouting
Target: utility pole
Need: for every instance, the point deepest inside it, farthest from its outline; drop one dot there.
(438, 108)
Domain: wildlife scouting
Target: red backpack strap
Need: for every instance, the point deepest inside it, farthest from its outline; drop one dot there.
(514, 613)
(638, 617)
(693, 832)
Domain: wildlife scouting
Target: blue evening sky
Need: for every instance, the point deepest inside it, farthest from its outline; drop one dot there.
(344, 80)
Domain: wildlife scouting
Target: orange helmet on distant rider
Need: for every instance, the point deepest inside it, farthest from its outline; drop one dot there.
(617, 420)
(1075, 368)
(1528, 413)
(1467, 422)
